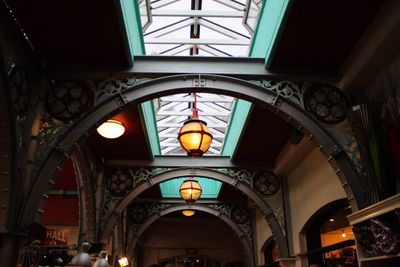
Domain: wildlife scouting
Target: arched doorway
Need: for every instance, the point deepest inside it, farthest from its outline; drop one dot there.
(329, 238)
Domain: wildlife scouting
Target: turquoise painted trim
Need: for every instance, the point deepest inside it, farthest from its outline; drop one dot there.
(133, 26)
(268, 27)
(210, 187)
(147, 109)
(237, 122)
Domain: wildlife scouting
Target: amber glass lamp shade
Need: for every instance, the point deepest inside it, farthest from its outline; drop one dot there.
(195, 137)
(188, 213)
(190, 190)
(111, 129)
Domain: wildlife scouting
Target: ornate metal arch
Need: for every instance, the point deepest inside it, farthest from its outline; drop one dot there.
(86, 196)
(208, 173)
(246, 242)
(200, 83)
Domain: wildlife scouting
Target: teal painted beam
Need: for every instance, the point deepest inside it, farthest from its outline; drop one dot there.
(149, 121)
(133, 27)
(210, 187)
(268, 27)
(240, 112)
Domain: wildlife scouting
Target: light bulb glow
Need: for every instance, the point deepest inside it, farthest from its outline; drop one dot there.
(195, 137)
(343, 234)
(123, 262)
(111, 129)
(188, 212)
(190, 190)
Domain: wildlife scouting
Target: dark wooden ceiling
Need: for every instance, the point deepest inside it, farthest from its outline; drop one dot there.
(319, 36)
(72, 32)
(131, 145)
(264, 137)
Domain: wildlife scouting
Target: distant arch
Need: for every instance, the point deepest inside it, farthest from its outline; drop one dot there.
(208, 173)
(245, 241)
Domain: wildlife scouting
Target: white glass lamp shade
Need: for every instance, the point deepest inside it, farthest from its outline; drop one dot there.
(190, 190)
(111, 129)
(195, 137)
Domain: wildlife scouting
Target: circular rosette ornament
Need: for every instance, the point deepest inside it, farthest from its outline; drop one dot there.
(267, 183)
(327, 103)
(20, 89)
(119, 183)
(69, 100)
(240, 215)
(137, 213)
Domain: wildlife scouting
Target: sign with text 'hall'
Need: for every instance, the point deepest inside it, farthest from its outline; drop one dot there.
(56, 237)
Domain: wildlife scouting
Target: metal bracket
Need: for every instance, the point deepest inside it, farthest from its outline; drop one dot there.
(277, 101)
(200, 82)
(193, 172)
(122, 99)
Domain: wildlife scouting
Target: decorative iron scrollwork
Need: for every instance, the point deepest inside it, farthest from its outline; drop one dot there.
(69, 100)
(327, 103)
(285, 89)
(154, 208)
(242, 175)
(20, 89)
(143, 174)
(113, 87)
(222, 208)
(247, 230)
(267, 183)
(119, 183)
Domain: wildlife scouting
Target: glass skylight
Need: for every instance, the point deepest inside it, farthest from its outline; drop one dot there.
(198, 27)
(172, 111)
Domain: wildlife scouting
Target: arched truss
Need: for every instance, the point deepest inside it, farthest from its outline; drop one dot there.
(254, 93)
(246, 243)
(208, 173)
(86, 201)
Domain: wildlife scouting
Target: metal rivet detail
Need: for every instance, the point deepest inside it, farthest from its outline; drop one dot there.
(321, 147)
(330, 158)
(344, 184)
(337, 171)
(310, 137)
(40, 211)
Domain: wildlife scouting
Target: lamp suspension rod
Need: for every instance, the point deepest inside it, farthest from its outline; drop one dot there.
(195, 114)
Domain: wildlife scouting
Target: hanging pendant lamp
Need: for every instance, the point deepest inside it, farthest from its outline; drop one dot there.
(190, 190)
(194, 136)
